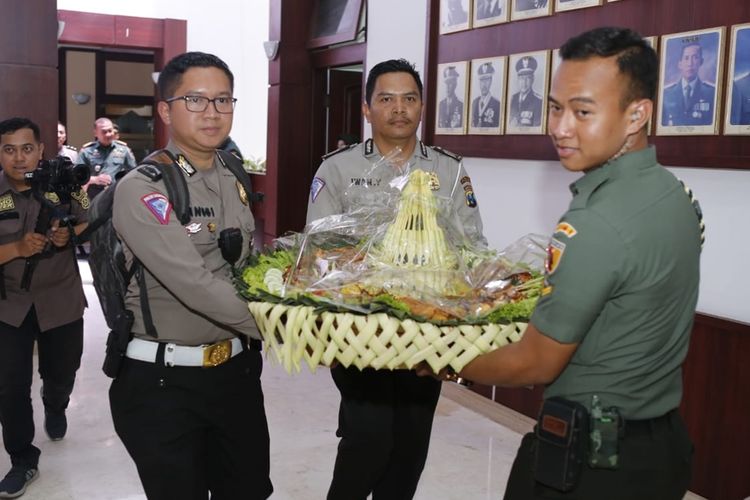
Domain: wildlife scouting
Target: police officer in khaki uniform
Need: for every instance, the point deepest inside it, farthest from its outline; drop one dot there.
(48, 311)
(611, 330)
(385, 417)
(188, 404)
(105, 157)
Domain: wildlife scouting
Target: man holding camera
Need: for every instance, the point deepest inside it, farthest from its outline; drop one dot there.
(41, 299)
(187, 401)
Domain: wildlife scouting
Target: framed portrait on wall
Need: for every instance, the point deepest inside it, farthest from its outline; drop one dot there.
(689, 82)
(455, 15)
(563, 5)
(556, 60)
(488, 12)
(528, 74)
(737, 114)
(487, 96)
(450, 115)
(525, 9)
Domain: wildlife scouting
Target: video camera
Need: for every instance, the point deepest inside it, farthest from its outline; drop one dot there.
(58, 175)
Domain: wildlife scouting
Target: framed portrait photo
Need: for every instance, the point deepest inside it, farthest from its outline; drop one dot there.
(525, 9)
(737, 114)
(563, 5)
(488, 12)
(689, 82)
(528, 75)
(487, 95)
(455, 15)
(451, 108)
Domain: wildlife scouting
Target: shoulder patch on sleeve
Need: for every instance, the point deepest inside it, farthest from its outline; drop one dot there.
(317, 186)
(337, 151)
(159, 205)
(82, 198)
(567, 229)
(555, 252)
(447, 153)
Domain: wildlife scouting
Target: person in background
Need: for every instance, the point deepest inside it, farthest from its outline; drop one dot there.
(611, 330)
(105, 157)
(385, 417)
(344, 140)
(49, 311)
(63, 149)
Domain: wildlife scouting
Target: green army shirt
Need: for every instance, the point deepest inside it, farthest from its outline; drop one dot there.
(351, 177)
(108, 160)
(622, 281)
(189, 283)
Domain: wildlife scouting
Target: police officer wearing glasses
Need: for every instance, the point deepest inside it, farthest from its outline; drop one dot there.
(187, 402)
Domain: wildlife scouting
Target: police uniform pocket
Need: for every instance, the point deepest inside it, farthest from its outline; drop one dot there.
(11, 227)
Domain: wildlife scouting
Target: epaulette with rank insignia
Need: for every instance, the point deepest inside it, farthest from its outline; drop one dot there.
(70, 147)
(90, 143)
(337, 151)
(447, 153)
(150, 171)
(121, 143)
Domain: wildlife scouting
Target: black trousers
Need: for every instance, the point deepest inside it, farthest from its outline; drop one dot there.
(655, 464)
(385, 421)
(60, 352)
(193, 430)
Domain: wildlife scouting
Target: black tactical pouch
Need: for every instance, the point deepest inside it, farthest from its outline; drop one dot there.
(562, 439)
(117, 343)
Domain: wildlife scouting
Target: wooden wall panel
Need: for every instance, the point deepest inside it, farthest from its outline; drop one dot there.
(88, 28)
(716, 407)
(28, 65)
(645, 16)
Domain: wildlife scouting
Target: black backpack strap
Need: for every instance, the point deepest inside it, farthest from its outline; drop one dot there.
(234, 165)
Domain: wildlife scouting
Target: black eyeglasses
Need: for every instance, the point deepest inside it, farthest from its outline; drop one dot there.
(199, 104)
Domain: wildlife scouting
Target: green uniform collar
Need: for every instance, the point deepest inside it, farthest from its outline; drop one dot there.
(627, 165)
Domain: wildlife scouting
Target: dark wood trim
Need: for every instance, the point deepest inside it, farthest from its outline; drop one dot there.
(429, 78)
(646, 17)
(339, 56)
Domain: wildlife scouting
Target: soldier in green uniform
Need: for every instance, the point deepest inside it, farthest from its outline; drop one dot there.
(616, 313)
(49, 312)
(385, 417)
(188, 403)
(105, 157)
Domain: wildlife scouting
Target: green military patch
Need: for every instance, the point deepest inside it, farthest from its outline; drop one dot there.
(82, 198)
(6, 202)
(52, 197)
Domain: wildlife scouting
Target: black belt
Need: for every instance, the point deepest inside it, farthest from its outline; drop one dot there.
(650, 425)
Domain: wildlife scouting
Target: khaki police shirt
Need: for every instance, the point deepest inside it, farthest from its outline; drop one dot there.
(622, 281)
(55, 291)
(346, 178)
(190, 290)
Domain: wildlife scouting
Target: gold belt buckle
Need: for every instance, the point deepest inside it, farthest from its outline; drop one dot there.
(216, 354)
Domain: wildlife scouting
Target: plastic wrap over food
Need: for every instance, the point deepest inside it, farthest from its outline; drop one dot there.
(398, 249)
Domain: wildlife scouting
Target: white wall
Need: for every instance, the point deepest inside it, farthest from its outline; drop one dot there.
(234, 30)
(396, 29)
(518, 197)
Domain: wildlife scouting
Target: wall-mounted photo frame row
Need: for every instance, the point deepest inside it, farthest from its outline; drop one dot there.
(508, 94)
(460, 15)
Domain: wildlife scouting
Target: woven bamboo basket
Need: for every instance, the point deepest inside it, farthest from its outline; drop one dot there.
(297, 333)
